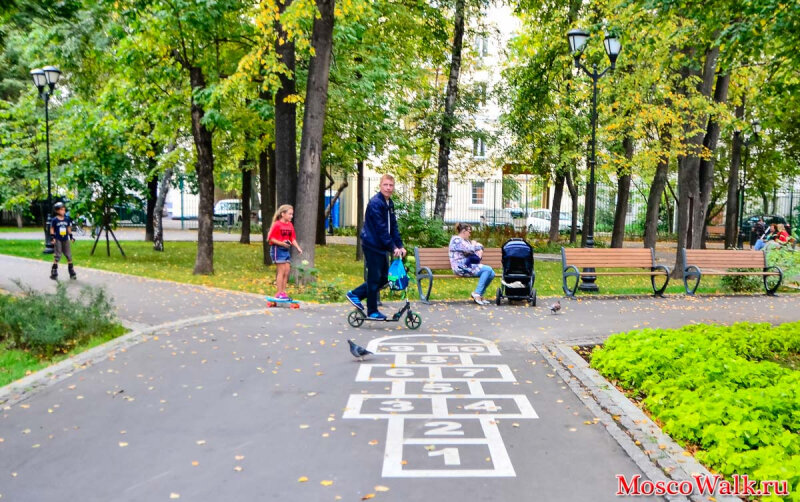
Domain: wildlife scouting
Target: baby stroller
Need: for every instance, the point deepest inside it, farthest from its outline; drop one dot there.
(518, 274)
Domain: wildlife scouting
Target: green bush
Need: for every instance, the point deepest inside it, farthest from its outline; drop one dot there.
(46, 323)
(417, 229)
(723, 389)
(742, 283)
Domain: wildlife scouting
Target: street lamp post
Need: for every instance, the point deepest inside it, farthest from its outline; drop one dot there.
(756, 128)
(577, 42)
(45, 80)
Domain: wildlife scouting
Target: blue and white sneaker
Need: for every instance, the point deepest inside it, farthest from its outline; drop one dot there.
(356, 301)
(377, 316)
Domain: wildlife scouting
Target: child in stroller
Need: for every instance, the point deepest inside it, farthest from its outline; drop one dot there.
(518, 273)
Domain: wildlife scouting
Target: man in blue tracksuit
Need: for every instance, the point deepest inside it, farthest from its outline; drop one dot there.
(378, 237)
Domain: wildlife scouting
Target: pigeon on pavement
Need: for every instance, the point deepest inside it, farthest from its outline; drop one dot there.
(357, 350)
(554, 308)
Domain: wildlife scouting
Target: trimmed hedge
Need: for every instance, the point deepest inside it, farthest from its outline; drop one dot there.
(719, 388)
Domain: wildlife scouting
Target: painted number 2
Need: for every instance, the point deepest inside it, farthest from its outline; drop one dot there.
(450, 455)
(444, 429)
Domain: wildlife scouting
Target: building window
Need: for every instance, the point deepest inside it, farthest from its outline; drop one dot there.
(477, 192)
(482, 45)
(479, 148)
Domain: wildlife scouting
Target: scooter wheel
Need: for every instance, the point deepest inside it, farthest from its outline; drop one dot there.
(356, 318)
(413, 320)
(294, 305)
(272, 304)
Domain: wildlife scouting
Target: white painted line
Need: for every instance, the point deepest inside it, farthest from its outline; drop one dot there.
(393, 453)
(497, 450)
(475, 388)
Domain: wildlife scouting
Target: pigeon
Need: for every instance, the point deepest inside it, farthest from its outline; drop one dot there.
(357, 350)
(554, 308)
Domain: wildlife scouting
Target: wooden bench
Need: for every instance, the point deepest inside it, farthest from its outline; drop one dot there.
(700, 262)
(430, 259)
(616, 258)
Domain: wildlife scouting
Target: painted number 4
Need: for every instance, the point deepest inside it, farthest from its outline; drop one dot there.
(483, 406)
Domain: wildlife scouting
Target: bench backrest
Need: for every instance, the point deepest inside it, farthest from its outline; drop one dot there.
(439, 258)
(608, 258)
(724, 258)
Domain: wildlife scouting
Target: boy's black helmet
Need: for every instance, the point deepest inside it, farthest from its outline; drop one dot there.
(58, 205)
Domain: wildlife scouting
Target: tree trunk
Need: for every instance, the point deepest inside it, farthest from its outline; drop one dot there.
(656, 191)
(285, 118)
(247, 188)
(555, 211)
(707, 162)
(732, 205)
(359, 206)
(573, 194)
(623, 196)
(152, 194)
(320, 241)
(204, 263)
(158, 226)
(448, 120)
(691, 214)
(266, 172)
(313, 123)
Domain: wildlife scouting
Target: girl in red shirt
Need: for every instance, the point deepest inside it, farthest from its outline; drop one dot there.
(281, 238)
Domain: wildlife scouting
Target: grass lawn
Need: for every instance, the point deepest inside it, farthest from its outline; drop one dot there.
(15, 363)
(239, 267)
(8, 230)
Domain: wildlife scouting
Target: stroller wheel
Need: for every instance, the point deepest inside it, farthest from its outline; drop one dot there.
(499, 296)
(356, 318)
(413, 320)
(532, 299)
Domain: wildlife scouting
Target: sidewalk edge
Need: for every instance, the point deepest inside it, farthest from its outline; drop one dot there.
(656, 453)
(26, 387)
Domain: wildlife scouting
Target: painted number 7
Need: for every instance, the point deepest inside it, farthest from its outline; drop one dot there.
(450, 455)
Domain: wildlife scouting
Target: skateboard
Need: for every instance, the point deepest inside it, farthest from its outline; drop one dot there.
(273, 302)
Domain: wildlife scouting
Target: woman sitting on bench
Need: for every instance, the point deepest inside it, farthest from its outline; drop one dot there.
(465, 260)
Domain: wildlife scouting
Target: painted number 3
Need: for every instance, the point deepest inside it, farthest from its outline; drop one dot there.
(397, 405)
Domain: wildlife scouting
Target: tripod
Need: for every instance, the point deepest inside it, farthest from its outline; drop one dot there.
(107, 228)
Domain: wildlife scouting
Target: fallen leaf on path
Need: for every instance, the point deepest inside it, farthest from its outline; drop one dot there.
(368, 496)
(326, 482)
(238, 468)
(123, 444)
(239, 457)
(302, 479)
(195, 463)
(201, 442)
(381, 488)
(373, 442)
(304, 426)
(174, 495)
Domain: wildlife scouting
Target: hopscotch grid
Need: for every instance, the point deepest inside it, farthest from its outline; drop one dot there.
(439, 400)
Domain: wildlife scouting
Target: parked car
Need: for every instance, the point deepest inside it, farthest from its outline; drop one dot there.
(503, 217)
(228, 206)
(747, 223)
(127, 211)
(539, 221)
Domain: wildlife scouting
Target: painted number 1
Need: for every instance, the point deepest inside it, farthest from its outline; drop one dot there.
(450, 455)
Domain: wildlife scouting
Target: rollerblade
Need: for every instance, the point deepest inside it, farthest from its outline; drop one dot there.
(72, 274)
(54, 272)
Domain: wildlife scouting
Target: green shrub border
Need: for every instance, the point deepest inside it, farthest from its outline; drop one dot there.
(726, 390)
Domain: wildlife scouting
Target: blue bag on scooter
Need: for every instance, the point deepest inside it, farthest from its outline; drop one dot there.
(398, 277)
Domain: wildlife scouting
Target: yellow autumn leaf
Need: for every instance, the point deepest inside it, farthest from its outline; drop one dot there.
(368, 496)
(302, 479)
(381, 488)
(326, 482)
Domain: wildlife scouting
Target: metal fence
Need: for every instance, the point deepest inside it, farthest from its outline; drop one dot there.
(521, 201)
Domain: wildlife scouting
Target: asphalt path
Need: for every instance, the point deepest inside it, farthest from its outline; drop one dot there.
(271, 406)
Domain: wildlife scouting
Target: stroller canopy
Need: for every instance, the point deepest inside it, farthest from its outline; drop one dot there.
(517, 248)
